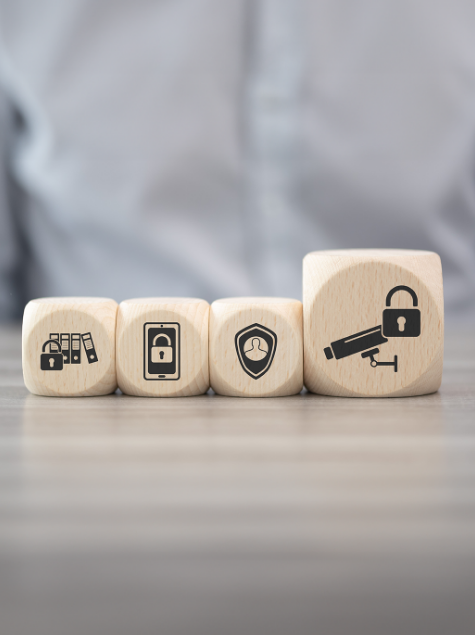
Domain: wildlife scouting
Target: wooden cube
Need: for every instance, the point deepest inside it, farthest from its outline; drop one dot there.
(162, 347)
(256, 347)
(373, 322)
(69, 346)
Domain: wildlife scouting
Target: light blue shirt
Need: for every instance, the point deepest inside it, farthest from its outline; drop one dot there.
(202, 147)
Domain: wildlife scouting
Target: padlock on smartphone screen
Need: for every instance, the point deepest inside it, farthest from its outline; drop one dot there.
(51, 361)
(402, 322)
(162, 353)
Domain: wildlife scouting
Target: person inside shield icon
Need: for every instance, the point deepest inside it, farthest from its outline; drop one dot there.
(256, 349)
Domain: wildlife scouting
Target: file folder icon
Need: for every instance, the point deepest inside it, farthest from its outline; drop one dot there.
(52, 347)
(65, 341)
(75, 348)
(89, 348)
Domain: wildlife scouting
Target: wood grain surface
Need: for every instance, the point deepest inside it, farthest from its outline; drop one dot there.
(210, 514)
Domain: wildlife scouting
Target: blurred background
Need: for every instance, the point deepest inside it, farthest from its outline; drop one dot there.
(202, 147)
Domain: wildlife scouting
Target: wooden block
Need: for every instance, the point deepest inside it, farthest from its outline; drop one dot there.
(69, 346)
(256, 347)
(364, 336)
(162, 347)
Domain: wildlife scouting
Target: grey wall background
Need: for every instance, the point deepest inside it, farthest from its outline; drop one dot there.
(202, 147)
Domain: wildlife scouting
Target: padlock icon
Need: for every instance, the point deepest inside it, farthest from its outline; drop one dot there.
(162, 354)
(51, 361)
(402, 322)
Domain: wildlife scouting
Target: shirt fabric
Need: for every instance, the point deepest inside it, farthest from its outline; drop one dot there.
(202, 148)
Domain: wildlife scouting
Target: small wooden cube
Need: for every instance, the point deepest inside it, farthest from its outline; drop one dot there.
(69, 346)
(162, 347)
(373, 322)
(256, 347)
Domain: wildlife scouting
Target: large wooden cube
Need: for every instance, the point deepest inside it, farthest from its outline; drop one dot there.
(373, 322)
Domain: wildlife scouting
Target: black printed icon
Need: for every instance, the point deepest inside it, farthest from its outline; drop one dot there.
(402, 322)
(68, 347)
(255, 348)
(355, 343)
(162, 351)
(65, 341)
(396, 323)
(89, 348)
(374, 363)
(54, 359)
(75, 348)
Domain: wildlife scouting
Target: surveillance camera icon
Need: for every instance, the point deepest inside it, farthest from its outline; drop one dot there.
(396, 323)
(364, 342)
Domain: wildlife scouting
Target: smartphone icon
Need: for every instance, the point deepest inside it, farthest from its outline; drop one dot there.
(161, 351)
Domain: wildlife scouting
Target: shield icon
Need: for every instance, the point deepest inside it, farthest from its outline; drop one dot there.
(255, 348)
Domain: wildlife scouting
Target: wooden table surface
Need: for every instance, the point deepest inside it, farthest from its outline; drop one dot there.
(223, 515)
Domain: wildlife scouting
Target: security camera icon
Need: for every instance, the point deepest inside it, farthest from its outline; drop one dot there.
(367, 341)
(396, 323)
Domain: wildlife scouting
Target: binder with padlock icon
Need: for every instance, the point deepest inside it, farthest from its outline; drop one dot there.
(162, 351)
